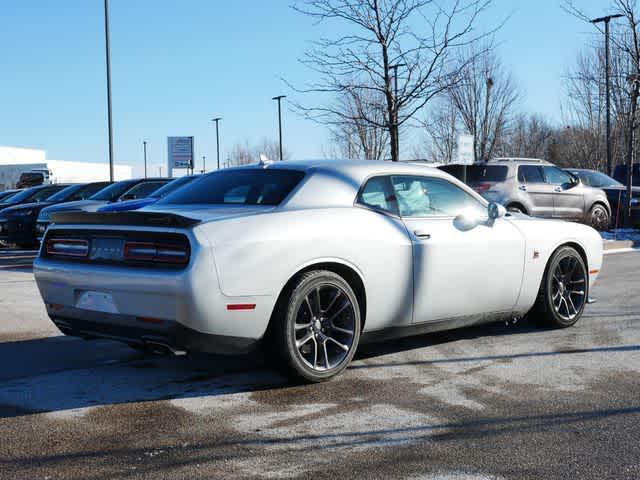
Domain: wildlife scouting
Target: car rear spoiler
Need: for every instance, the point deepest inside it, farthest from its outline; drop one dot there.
(145, 219)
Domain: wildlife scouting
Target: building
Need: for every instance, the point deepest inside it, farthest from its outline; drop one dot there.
(14, 161)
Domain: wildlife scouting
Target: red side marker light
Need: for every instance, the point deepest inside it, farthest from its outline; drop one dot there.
(594, 271)
(241, 306)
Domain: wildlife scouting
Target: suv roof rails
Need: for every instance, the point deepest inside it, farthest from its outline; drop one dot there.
(517, 159)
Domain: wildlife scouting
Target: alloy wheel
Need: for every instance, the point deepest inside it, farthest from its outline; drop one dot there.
(325, 327)
(568, 288)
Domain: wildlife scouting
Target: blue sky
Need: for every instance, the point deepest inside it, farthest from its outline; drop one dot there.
(175, 65)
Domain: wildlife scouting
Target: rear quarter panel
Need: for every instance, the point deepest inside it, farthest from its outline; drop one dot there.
(259, 254)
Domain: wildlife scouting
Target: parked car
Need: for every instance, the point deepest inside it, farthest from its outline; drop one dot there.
(620, 174)
(538, 188)
(310, 259)
(616, 193)
(31, 195)
(7, 193)
(18, 222)
(34, 178)
(113, 193)
(162, 192)
(10, 222)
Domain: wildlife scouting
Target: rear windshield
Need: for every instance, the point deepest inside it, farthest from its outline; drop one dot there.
(113, 191)
(486, 173)
(239, 187)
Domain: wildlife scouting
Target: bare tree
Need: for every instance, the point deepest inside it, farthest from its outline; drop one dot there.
(530, 136)
(485, 96)
(442, 129)
(357, 138)
(382, 49)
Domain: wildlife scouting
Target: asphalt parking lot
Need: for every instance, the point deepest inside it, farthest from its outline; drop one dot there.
(493, 402)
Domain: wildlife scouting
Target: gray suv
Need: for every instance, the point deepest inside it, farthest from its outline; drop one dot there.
(538, 188)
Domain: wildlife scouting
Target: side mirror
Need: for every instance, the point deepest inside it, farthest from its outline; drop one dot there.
(495, 210)
(127, 197)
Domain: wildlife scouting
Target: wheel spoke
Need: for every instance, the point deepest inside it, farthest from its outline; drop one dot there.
(303, 340)
(340, 310)
(341, 330)
(302, 326)
(577, 292)
(315, 352)
(326, 355)
(341, 345)
(333, 301)
(319, 307)
(575, 310)
(306, 300)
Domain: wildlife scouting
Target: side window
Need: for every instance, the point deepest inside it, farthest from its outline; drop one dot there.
(377, 194)
(555, 176)
(530, 174)
(433, 197)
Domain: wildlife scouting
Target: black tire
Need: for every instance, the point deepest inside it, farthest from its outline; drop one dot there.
(516, 209)
(290, 327)
(599, 217)
(550, 309)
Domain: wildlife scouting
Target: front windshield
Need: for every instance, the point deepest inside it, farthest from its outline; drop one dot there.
(113, 191)
(21, 196)
(64, 194)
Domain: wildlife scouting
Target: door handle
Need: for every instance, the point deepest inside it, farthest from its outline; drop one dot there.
(523, 188)
(422, 234)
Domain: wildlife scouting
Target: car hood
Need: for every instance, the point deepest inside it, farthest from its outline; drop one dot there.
(26, 206)
(84, 205)
(210, 213)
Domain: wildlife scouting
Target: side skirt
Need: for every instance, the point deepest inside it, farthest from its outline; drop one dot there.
(431, 327)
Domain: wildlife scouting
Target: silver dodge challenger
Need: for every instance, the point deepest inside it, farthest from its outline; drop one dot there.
(309, 259)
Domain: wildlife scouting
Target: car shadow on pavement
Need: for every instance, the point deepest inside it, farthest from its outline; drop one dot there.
(64, 373)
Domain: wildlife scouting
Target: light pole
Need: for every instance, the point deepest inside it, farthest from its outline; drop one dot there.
(108, 58)
(395, 100)
(279, 99)
(144, 146)
(606, 21)
(204, 164)
(217, 119)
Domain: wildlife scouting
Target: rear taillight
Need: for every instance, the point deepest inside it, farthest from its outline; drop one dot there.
(156, 252)
(67, 247)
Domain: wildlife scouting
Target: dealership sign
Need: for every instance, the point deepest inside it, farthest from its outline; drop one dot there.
(180, 152)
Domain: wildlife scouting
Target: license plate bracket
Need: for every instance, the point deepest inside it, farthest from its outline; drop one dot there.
(97, 302)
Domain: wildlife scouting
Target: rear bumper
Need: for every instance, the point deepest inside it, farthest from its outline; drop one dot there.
(168, 335)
